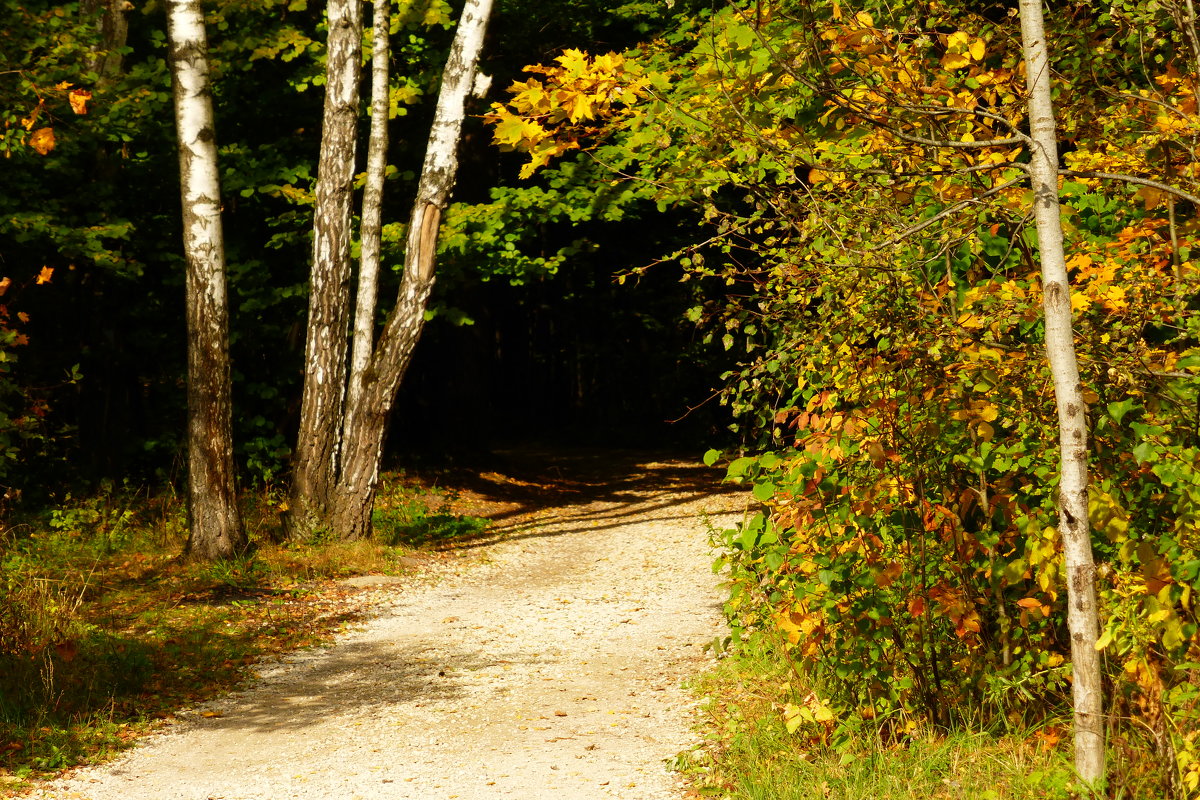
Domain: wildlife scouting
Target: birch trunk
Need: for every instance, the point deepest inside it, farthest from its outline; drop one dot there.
(367, 426)
(318, 443)
(1082, 617)
(371, 232)
(214, 522)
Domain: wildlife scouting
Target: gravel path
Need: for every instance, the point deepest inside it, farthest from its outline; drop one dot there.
(547, 667)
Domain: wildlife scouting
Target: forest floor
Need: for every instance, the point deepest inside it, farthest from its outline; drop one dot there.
(544, 660)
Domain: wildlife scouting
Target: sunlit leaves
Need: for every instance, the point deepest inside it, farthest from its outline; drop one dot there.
(543, 116)
(42, 140)
(79, 99)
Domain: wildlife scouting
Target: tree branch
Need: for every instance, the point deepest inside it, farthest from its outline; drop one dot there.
(1109, 176)
(946, 212)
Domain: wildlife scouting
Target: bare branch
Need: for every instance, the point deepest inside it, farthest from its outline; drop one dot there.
(946, 212)
(1153, 184)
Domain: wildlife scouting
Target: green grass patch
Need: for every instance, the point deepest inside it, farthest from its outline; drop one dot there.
(409, 517)
(750, 754)
(104, 629)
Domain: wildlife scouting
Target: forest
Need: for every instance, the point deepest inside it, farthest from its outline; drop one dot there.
(917, 277)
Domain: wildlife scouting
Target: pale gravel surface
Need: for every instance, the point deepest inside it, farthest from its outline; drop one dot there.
(550, 667)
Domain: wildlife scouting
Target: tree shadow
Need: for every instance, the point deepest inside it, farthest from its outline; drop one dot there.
(524, 489)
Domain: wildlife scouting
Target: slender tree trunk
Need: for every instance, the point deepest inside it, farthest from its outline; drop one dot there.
(1082, 616)
(215, 526)
(317, 446)
(371, 232)
(363, 443)
(114, 31)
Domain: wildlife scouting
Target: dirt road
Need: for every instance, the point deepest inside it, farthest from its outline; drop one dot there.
(547, 665)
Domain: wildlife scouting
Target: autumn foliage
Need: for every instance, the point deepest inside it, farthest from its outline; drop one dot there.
(862, 177)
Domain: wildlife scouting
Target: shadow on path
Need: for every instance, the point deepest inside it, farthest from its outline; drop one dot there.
(528, 488)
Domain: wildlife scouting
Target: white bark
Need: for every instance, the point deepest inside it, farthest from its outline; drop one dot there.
(214, 520)
(1082, 616)
(325, 355)
(363, 441)
(372, 212)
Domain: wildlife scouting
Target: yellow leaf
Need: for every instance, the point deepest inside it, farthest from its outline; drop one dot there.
(978, 49)
(792, 720)
(574, 62)
(609, 62)
(579, 107)
(956, 40)
(987, 412)
(42, 140)
(865, 19)
(955, 61)
(44, 275)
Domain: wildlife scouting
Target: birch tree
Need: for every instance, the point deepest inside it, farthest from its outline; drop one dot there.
(215, 525)
(341, 440)
(1082, 616)
(323, 401)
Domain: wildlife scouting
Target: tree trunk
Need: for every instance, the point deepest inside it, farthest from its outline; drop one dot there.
(317, 446)
(371, 231)
(215, 525)
(363, 443)
(114, 32)
(1082, 617)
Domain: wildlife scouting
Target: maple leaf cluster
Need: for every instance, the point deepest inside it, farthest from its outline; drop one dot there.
(546, 117)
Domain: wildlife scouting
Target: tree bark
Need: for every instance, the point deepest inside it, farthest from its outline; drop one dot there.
(318, 443)
(371, 231)
(1082, 616)
(214, 522)
(107, 59)
(363, 442)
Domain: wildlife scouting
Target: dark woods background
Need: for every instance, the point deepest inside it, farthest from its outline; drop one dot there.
(551, 349)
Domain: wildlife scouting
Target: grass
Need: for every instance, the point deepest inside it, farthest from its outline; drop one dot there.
(750, 755)
(104, 630)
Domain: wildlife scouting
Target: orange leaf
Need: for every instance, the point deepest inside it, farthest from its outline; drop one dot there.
(889, 574)
(1029, 602)
(916, 606)
(79, 99)
(42, 140)
(4, 284)
(45, 275)
(21, 315)
(28, 122)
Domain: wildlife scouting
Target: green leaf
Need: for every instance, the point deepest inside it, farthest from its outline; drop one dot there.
(740, 466)
(763, 492)
(1119, 409)
(1145, 452)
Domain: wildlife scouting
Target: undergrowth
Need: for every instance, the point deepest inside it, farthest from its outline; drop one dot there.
(104, 629)
(750, 753)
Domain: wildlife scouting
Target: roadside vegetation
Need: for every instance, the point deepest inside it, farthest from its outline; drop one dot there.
(754, 749)
(104, 629)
